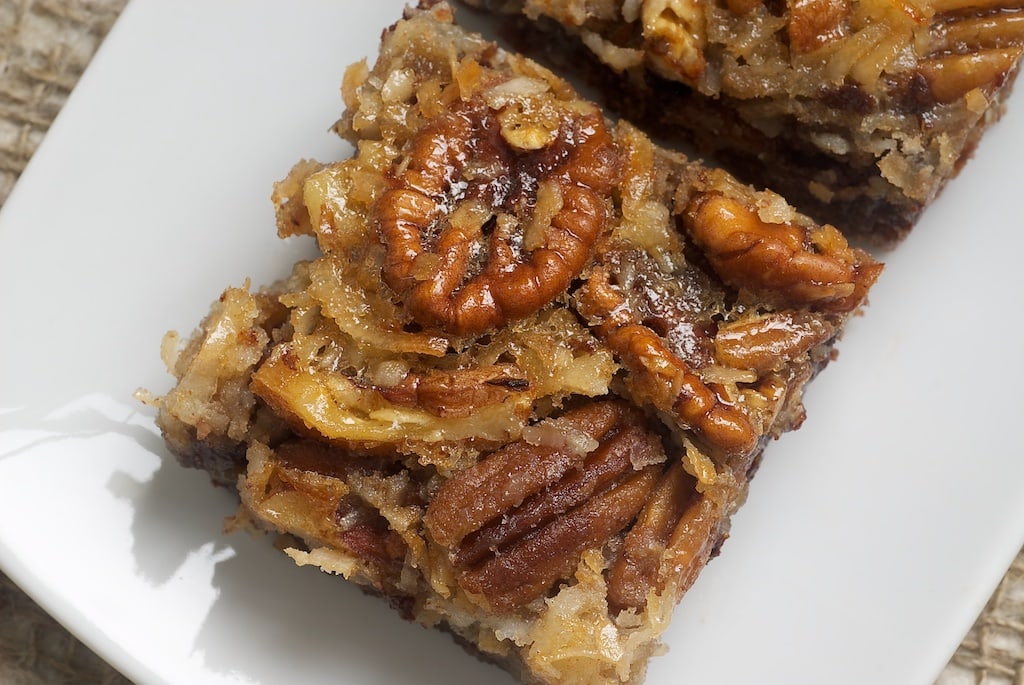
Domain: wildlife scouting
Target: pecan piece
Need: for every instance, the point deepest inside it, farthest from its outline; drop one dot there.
(952, 77)
(967, 33)
(517, 522)
(637, 569)
(364, 532)
(658, 375)
(302, 486)
(469, 172)
(455, 393)
(697, 537)
(508, 476)
(767, 342)
(675, 535)
(802, 266)
(674, 30)
(814, 23)
(518, 574)
(604, 465)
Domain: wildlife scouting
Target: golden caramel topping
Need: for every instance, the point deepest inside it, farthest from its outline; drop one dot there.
(660, 376)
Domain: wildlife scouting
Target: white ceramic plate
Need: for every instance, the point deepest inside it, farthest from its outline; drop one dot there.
(871, 538)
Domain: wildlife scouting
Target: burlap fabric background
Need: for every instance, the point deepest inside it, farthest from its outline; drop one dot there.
(44, 47)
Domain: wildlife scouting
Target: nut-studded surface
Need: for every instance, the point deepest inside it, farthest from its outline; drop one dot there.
(858, 111)
(528, 379)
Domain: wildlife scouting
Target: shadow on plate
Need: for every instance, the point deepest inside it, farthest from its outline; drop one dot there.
(271, 621)
(81, 418)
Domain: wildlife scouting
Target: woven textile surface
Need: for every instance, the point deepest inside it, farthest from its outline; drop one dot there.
(44, 47)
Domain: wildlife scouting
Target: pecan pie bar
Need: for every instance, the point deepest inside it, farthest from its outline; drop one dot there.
(858, 111)
(526, 382)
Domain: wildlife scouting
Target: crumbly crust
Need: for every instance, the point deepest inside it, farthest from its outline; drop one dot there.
(858, 111)
(526, 383)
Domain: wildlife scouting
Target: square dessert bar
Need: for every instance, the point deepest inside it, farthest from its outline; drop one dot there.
(857, 111)
(527, 380)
